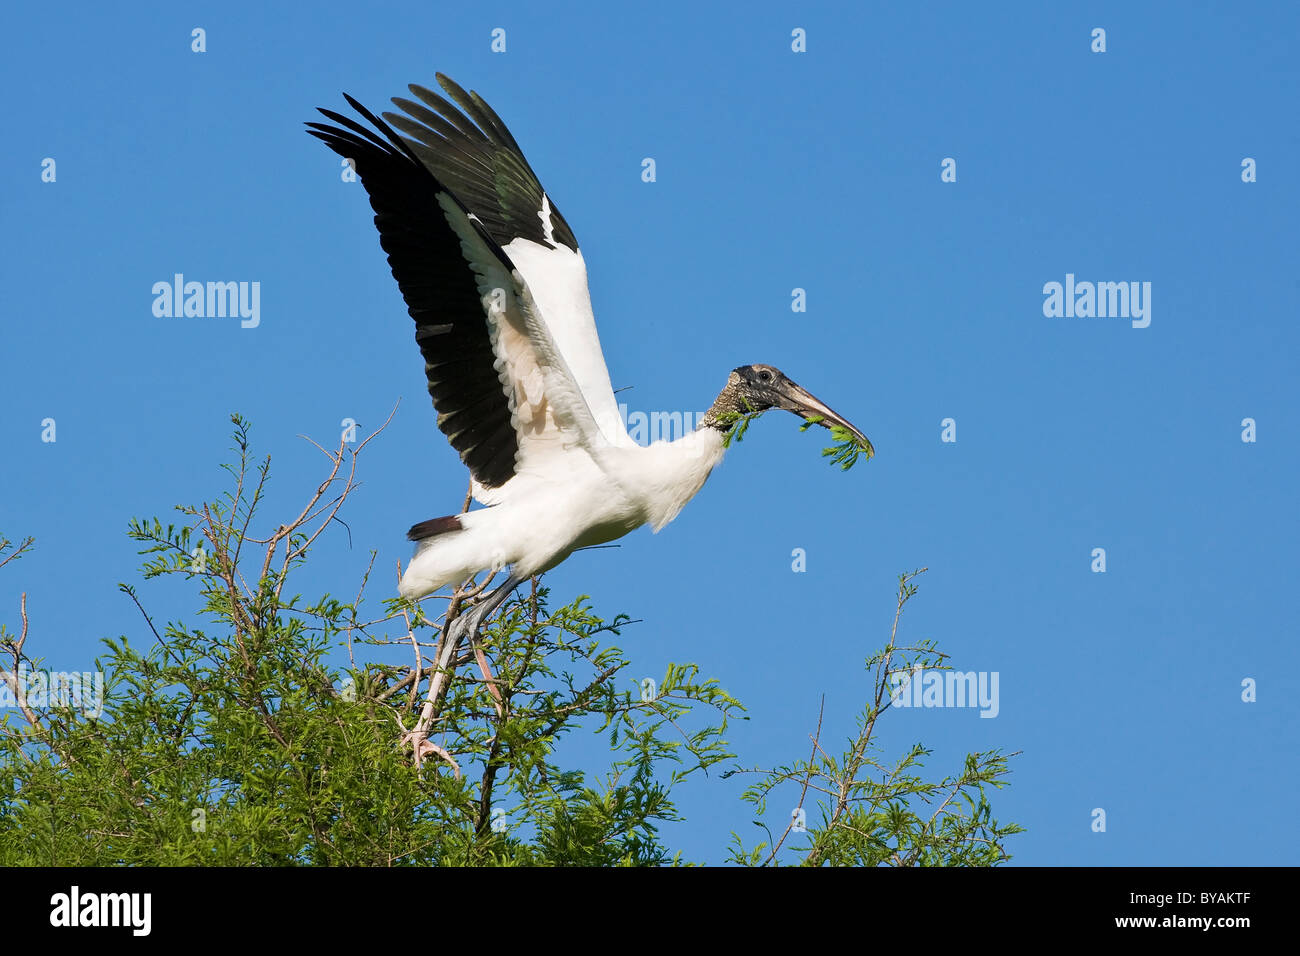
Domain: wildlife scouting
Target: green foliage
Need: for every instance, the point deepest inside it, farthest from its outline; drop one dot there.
(236, 738)
(846, 451)
(737, 424)
(270, 729)
(847, 448)
(877, 813)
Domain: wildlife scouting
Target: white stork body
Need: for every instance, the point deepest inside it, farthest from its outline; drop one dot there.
(492, 275)
(547, 515)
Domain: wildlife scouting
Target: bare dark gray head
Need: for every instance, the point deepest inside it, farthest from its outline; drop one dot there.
(756, 388)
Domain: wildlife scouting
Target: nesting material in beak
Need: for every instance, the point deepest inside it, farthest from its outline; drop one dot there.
(851, 442)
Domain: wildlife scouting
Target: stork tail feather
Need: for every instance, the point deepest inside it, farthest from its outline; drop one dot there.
(434, 526)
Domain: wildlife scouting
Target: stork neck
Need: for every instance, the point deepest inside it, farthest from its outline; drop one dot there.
(665, 475)
(722, 413)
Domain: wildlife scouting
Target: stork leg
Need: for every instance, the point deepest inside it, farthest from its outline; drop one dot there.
(467, 625)
(464, 624)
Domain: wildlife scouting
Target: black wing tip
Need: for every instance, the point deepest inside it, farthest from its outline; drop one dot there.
(334, 115)
(404, 191)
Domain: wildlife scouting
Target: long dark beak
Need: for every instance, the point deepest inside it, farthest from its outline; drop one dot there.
(803, 403)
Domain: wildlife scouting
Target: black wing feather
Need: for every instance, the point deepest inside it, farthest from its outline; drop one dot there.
(439, 287)
(471, 151)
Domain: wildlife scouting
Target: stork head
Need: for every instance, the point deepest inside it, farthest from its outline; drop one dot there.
(756, 388)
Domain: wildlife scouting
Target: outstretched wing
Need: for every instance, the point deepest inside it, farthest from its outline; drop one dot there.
(471, 151)
(504, 395)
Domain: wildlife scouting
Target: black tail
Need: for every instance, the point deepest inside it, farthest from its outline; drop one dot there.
(427, 529)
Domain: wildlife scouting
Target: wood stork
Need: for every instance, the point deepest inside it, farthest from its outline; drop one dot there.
(495, 281)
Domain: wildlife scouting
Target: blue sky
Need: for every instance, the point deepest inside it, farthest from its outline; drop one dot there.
(775, 170)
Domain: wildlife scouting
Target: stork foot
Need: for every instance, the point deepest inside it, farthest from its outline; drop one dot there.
(425, 748)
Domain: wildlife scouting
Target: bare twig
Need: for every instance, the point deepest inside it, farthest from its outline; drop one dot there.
(24, 546)
(11, 675)
(858, 754)
(803, 794)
